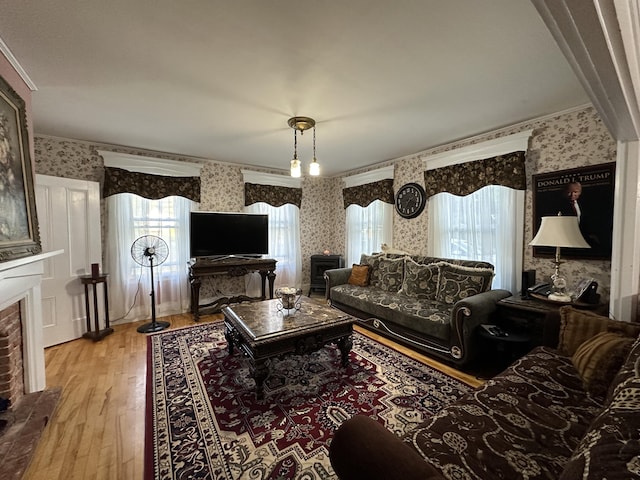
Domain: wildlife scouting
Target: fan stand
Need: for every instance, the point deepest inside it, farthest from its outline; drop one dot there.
(153, 326)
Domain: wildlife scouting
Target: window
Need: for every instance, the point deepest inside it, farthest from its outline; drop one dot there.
(130, 217)
(367, 228)
(486, 225)
(284, 245)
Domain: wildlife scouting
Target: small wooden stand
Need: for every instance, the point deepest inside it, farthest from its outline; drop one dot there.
(91, 280)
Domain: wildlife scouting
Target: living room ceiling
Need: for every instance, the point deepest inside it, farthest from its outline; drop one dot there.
(219, 79)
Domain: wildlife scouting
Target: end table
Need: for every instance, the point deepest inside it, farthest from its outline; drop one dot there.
(87, 280)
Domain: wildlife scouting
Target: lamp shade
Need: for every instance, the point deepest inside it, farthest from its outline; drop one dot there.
(559, 232)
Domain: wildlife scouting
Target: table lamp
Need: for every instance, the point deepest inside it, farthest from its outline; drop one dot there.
(559, 232)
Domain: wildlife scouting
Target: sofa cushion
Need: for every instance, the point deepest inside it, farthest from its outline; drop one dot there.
(458, 282)
(611, 446)
(598, 360)
(420, 281)
(391, 273)
(359, 275)
(524, 423)
(422, 317)
(578, 326)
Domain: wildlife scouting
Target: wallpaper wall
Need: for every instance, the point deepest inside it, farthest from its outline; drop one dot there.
(568, 140)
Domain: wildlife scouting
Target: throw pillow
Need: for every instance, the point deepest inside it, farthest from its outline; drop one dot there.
(359, 275)
(420, 281)
(373, 261)
(598, 360)
(578, 326)
(391, 273)
(458, 282)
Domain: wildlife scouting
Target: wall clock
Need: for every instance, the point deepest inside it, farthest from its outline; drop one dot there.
(410, 200)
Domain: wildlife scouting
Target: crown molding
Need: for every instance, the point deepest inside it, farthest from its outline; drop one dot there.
(16, 66)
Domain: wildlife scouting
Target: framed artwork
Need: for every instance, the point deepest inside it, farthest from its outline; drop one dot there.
(585, 192)
(19, 236)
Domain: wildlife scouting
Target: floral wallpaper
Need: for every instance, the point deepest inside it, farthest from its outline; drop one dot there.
(567, 140)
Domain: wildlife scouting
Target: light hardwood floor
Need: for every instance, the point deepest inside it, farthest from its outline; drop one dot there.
(97, 431)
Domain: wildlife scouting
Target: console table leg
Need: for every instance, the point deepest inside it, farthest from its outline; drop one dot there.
(263, 277)
(195, 298)
(272, 277)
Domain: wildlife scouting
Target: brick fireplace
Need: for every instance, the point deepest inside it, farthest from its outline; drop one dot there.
(22, 367)
(11, 365)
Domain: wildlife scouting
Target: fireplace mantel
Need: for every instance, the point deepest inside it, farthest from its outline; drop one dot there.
(20, 281)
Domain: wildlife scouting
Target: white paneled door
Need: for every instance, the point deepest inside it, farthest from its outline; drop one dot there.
(69, 219)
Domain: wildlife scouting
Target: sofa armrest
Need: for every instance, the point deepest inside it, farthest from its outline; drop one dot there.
(335, 276)
(467, 314)
(362, 448)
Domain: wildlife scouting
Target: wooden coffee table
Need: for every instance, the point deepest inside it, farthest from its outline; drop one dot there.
(262, 331)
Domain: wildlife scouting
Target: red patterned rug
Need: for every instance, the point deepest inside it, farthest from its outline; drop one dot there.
(204, 422)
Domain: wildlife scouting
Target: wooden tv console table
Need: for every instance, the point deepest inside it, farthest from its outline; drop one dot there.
(233, 266)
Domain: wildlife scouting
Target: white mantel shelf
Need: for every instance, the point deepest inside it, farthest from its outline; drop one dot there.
(20, 281)
(18, 262)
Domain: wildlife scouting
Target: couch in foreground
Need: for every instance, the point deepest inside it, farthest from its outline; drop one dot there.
(571, 413)
(431, 304)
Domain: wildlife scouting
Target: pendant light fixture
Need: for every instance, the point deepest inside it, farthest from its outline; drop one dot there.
(300, 124)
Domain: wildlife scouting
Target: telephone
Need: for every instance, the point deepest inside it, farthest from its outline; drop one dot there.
(543, 289)
(586, 291)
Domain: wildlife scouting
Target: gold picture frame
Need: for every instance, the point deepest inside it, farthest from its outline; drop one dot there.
(19, 234)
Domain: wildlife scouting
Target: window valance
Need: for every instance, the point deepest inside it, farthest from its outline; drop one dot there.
(274, 195)
(363, 195)
(153, 187)
(462, 179)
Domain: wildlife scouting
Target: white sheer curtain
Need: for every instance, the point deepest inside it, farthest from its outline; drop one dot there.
(367, 228)
(284, 246)
(128, 218)
(485, 225)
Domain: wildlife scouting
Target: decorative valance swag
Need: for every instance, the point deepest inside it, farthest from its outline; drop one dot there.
(465, 178)
(276, 196)
(153, 187)
(363, 195)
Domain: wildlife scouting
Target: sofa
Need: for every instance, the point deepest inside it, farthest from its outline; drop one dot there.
(567, 413)
(430, 304)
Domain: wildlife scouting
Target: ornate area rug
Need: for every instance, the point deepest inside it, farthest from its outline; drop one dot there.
(204, 422)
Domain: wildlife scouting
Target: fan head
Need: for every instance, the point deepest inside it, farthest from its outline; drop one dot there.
(148, 250)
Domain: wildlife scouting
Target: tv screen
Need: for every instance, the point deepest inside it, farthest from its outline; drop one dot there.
(221, 234)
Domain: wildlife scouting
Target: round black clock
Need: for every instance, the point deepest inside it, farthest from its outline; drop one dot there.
(410, 200)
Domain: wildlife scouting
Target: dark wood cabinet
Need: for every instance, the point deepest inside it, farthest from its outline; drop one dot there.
(320, 263)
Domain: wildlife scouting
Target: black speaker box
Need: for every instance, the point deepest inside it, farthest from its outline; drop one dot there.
(528, 280)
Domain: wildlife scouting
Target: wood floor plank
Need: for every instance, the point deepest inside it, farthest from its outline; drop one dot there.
(97, 431)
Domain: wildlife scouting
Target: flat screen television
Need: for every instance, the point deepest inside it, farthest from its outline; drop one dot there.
(217, 234)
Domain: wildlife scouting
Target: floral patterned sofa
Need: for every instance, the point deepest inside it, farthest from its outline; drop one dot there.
(571, 413)
(431, 304)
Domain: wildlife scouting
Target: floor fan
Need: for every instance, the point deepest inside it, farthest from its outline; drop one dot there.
(150, 251)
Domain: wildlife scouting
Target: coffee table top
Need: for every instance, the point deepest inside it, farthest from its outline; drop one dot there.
(262, 321)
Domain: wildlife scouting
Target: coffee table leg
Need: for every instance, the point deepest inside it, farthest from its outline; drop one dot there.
(260, 374)
(345, 344)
